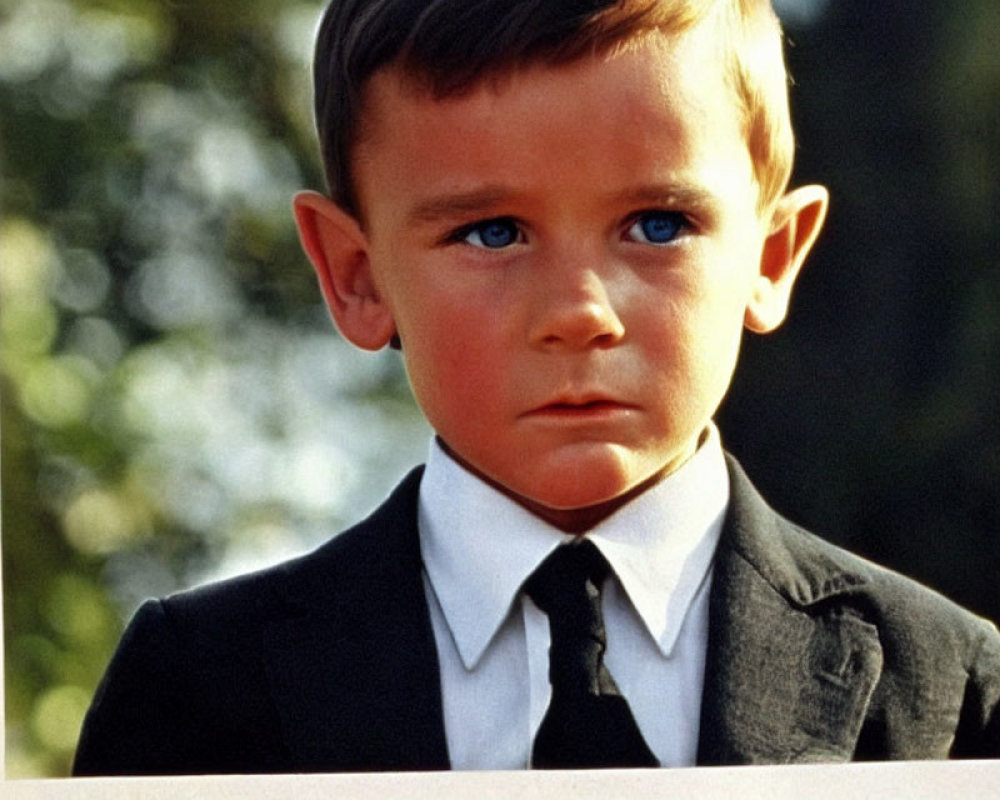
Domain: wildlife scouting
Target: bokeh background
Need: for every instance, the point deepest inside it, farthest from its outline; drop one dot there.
(177, 407)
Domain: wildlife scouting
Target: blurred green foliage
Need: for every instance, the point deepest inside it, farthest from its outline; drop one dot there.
(175, 405)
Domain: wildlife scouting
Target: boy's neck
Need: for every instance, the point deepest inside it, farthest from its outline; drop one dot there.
(574, 520)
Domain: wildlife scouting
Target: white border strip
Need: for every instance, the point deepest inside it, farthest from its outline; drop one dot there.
(912, 780)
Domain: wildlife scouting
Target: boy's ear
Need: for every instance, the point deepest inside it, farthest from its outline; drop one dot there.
(796, 222)
(338, 249)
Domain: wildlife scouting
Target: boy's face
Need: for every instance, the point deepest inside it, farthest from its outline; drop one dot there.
(568, 256)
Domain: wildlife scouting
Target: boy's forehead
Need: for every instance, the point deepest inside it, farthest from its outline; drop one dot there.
(449, 48)
(669, 116)
(397, 82)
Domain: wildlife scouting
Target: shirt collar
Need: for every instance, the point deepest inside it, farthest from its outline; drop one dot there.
(478, 545)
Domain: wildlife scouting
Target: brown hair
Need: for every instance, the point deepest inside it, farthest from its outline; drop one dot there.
(449, 45)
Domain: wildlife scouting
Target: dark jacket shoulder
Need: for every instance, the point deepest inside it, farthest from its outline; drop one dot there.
(818, 654)
(234, 676)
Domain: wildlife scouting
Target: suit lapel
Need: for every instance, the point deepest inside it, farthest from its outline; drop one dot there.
(353, 665)
(791, 666)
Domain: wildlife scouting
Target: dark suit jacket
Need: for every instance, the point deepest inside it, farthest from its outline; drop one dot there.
(328, 662)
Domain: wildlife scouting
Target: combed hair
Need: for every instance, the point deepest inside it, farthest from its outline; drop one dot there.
(448, 46)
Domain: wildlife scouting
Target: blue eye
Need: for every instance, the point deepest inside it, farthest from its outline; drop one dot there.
(492, 234)
(657, 227)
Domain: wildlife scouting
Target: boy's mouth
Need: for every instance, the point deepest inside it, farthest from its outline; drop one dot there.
(590, 405)
(581, 407)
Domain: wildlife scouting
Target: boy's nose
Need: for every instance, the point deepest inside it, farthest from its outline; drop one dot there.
(575, 311)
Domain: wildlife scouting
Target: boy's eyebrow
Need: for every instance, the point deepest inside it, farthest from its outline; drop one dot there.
(681, 196)
(456, 204)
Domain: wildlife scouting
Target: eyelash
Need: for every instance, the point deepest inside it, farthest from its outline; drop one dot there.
(680, 225)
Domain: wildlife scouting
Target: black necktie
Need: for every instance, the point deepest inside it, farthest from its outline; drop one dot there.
(588, 723)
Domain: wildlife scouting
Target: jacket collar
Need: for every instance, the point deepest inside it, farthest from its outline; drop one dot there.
(791, 663)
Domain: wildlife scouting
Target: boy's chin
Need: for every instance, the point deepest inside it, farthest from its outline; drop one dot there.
(586, 489)
(576, 511)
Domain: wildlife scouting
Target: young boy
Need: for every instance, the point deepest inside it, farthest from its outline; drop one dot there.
(564, 214)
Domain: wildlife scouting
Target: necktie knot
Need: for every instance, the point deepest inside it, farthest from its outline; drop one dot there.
(570, 579)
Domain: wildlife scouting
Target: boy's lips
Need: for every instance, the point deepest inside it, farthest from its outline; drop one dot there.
(581, 406)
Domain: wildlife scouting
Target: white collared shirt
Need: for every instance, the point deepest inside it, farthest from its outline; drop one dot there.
(479, 546)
